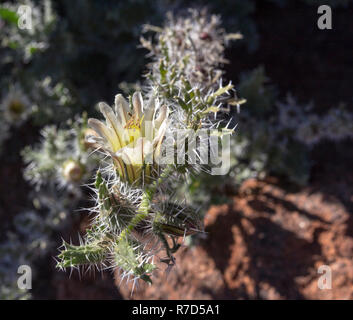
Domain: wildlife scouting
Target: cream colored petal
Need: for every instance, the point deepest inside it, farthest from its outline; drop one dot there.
(147, 124)
(113, 122)
(119, 164)
(160, 133)
(129, 156)
(137, 103)
(124, 156)
(147, 150)
(105, 132)
(163, 114)
(150, 110)
(157, 141)
(122, 109)
(135, 155)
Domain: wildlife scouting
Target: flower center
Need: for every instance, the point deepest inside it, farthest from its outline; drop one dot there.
(133, 129)
(16, 107)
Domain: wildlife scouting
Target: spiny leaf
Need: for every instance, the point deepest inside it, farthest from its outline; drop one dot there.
(234, 36)
(237, 102)
(223, 90)
(81, 255)
(183, 104)
(99, 179)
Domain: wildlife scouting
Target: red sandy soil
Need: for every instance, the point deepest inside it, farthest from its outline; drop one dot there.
(267, 244)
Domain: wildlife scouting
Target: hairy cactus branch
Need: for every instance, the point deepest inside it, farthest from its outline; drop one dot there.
(138, 212)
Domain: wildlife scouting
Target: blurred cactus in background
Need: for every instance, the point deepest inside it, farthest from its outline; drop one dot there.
(272, 137)
(33, 36)
(15, 106)
(277, 135)
(29, 241)
(62, 159)
(191, 46)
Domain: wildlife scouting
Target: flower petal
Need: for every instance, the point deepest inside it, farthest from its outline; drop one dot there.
(163, 114)
(112, 122)
(122, 109)
(136, 157)
(147, 125)
(157, 141)
(105, 132)
(137, 103)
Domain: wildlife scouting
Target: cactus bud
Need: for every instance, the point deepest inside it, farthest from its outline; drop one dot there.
(86, 142)
(73, 171)
(16, 108)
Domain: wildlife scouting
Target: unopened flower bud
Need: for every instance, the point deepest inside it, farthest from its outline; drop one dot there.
(16, 107)
(73, 171)
(86, 140)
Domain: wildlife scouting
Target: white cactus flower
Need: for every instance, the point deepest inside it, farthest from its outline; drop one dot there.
(132, 137)
(15, 106)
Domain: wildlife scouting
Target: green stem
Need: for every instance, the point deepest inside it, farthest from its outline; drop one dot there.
(144, 208)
